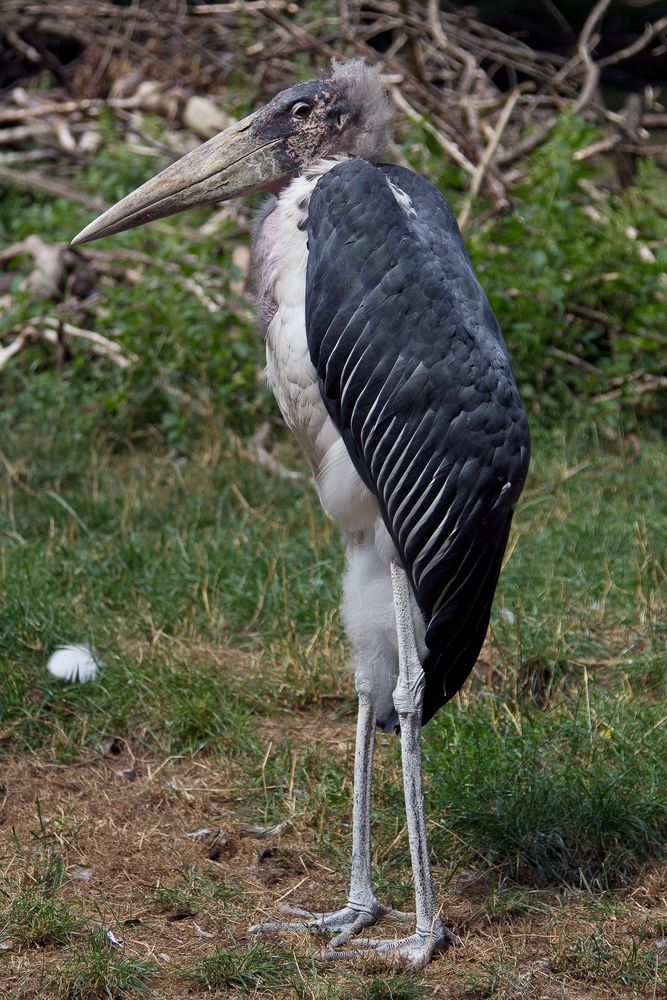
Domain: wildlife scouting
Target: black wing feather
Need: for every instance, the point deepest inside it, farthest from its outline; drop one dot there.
(415, 374)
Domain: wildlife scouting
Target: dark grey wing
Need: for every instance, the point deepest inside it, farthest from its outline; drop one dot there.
(415, 374)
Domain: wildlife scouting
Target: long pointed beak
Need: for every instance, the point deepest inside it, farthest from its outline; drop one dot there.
(234, 162)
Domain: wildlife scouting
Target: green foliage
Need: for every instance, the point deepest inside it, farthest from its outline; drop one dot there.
(191, 357)
(580, 308)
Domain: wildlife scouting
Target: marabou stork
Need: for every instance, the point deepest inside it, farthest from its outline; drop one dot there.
(390, 368)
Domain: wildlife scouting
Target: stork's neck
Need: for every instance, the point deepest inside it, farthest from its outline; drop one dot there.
(294, 198)
(280, 248)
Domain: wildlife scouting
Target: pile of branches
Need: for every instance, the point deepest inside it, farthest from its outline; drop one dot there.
(487, 98)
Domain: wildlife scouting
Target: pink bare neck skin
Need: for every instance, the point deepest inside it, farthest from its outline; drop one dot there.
(264, 241)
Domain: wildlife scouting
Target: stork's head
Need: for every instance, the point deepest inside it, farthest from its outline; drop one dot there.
(344, 111)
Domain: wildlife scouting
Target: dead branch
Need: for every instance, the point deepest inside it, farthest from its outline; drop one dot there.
(32, 181)
(649, 33)
(61, 108)
(28, 156)
(447, 145)
(649, 383)
(486, 157)
(27, 51)
(441, 65)
(22, 133)
(595, 148)
(583, 50)
(17, 345)
(97, 342)
(51, 330)
(576, 362)
(264, 457)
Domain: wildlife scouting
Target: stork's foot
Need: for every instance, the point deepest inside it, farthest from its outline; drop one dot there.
(344, 923)
(414, 951)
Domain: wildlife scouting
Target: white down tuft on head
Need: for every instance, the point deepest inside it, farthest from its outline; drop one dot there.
(362, 86)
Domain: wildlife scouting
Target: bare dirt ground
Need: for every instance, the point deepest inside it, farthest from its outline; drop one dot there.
(127, 826)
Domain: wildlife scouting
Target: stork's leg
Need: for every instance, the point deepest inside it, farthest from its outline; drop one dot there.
(362, 909)
(430, 935)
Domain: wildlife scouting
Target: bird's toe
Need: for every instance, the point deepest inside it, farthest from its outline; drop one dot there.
(414, 951)
(344, 923)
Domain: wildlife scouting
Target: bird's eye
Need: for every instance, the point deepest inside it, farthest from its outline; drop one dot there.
(301, 110)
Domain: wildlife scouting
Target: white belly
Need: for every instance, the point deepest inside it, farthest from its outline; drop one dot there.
(290, 371)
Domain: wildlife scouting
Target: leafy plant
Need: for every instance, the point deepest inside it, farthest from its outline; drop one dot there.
(573, 281)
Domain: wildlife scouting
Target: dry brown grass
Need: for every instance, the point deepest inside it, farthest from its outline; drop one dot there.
(127, 817)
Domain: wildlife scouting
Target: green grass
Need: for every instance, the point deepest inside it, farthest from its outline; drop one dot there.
(548, 800)
(267, 969)
(635, 964)
(194, 890)
(130, 519)
(99, 972)
(243, 970)
(185, 574)
(134, 555)
(32, 914)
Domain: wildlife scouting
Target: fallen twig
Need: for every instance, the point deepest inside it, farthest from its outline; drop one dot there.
(30, 180)
(650, 383)
(22, 133)
(583, 51)
(17, 345)
(62, 108)
(51, 330)
(267, 460)
(601, 146)
(486, 157)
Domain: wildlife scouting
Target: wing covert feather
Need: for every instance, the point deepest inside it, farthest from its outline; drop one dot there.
(415, 374)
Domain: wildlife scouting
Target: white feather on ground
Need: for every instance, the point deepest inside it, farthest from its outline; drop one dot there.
(73, 663)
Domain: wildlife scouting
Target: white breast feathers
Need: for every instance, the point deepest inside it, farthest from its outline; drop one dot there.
(282, 255)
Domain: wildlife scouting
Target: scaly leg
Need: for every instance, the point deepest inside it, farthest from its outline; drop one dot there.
(362, 909)
(430, 935)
